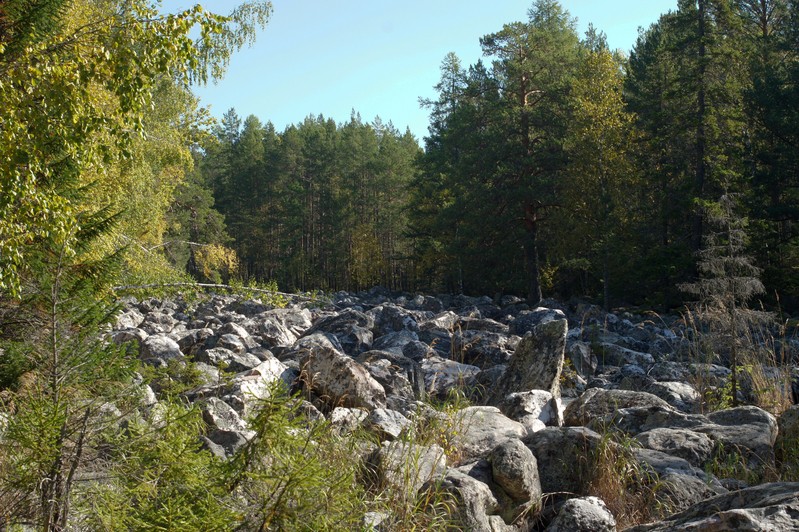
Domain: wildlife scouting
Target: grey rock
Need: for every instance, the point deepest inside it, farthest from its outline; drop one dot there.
(610, 354)
(442, 375)
(596, 403)
(515, 470)
(680, 395)
(273, 333)
(582, 358)
(764, 508)
(535, 409)
(353, 330)
(482, 428)
(386, 424)
(564, 456)
(395, 340)
(526, 321)
(695, 447)
(476, 505)
(406, 467)
(583, 514)
(194, 340)
(390, 318)
(161, 347)
(337, 378)
(347, 420)
(536, 364)
(129, 319)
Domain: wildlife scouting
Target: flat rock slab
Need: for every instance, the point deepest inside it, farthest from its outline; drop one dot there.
(767, 508)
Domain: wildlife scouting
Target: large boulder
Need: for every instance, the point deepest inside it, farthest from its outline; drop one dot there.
(337, 378)
(767, 507)
(406, 467)
(476, 506)
(564, 456)
(583, 514)
(597, 403)
(527, 320)
(442, 375)
(535, 409)
(536, 364)
(695, 447)
(515, 470)
(352, 328)
(480, 429)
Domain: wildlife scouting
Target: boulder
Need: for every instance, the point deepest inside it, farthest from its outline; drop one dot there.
(694, 447)
(390, 318)
(747, 431)
(406, 467)
(535, 409)
(583, 514)
(386, 424)
(527, 320)
(536, 364)
(597, 403)
(337, 378)
(476, 507)
(480, 429)
(564, 456)
(160, 346)
(442, 375)
(350, 327)
(768, 507)
(228, 360)
(515, 470)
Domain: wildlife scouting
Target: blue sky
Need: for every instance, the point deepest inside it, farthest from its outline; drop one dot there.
(378, 56)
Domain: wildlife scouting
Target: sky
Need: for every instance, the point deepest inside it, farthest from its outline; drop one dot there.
(378, 57)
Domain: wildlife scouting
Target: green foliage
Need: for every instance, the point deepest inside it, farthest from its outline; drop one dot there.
(161, 479)
(295, 474)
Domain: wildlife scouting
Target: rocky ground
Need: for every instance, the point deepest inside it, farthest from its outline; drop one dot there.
(576, 419)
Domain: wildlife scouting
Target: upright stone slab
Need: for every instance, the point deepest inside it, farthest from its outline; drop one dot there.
(536, 364)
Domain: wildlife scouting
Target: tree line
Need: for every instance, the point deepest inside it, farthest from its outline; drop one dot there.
(554, 166)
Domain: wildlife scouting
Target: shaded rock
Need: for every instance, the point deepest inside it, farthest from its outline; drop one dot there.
(582, 358)
(597, 403)
(398, 374)
(395, 340)
(680, 395)
(337, 378)
(527, 320)
(158, 322)
(480, 348)
(583, 514)
(515, 470)
(476, 506)
(536, 364)
(353, 330)
(233, 328)
(406, 467)
(564, 456)
(682, 483)
(694, 447)
(390, 318)
(194, 340)
(615, 355)
(442, 375)
(746, 430)
(134, 336)
(768, 507)
(481, 324)
(228, 360)
(273, 333)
